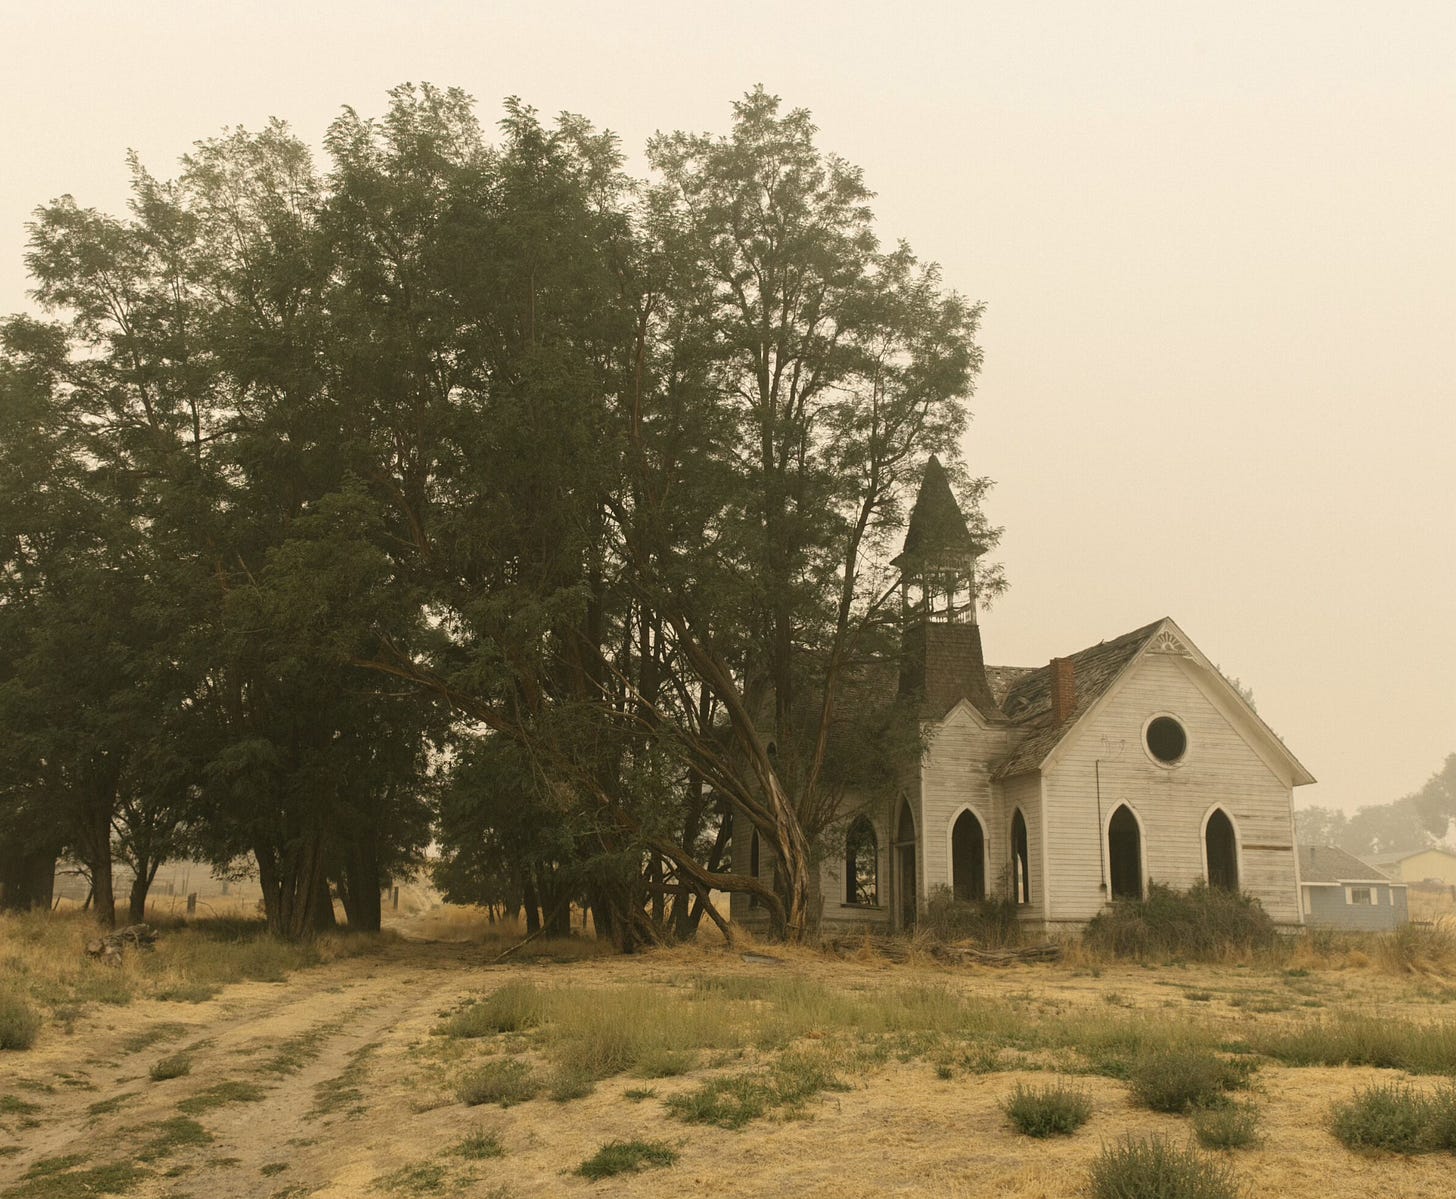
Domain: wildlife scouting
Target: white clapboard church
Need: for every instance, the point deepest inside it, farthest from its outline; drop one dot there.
(1065, 786)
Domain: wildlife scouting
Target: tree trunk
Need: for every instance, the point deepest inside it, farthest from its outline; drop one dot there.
(137, 904)
(98, 862)
(324, 919)
(359, 888)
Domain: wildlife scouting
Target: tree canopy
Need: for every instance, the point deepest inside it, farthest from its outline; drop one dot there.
(465, 487)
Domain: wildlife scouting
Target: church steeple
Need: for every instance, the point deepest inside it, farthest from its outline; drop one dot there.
(942, 659)
(938, 563)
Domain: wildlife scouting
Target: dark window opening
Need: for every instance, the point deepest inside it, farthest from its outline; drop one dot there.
(1020, 860)
(1222, 851)
(905, 865)
(1125, 854)
(861, 864)
(968, 858)
(1167, 741)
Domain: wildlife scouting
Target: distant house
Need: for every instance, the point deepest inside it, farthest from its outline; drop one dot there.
(1338, 890)
(1429, 865)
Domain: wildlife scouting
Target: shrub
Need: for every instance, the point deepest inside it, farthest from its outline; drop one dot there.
(170, 1067)
(1233, 1127)
(515, 1007)
(991, 922)
(621, 1157)
(733, 1101)
(19, 1023)
(1391, 1116)
(1203, 924)
(1137, 1168)
(1175, 1078)
(506, 1081)
(1052, 1110)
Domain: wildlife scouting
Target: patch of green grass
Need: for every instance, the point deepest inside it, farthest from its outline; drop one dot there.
(514, 1007)
(638, 1094)
(504, 1081)
(736, 1100)
(173, 1135)
(626, 1157)
(1175, 1078)
(569, 1082)
(1235, 1126)
(346, 1089)
(59, 1178)
(19, 1022)
(291, 1055)
(1051, 1110)
(189, 991)
(149, 1037)
(221, 1095)
(1151, 1168)
(104, 1107)
(478, 1146)
(13, 1105)
(269, 1169)
(423, 1178)
(175, 1066)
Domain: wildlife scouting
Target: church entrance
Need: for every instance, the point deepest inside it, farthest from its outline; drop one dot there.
(968, 858)
(905, 867)
(1125, 854)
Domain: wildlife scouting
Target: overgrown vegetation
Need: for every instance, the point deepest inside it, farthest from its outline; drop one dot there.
(626, 1157)
(1201, 924)
(504, 1080)
(783, 1089)
(1054, 1109)
(174, 1066)
(991, 922)
(1357, 1039)
(1399, 1119)
(1178, 1078)
(19, 1022)
(1153, 1168)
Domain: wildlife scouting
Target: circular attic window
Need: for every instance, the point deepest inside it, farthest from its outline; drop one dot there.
(1167, 740)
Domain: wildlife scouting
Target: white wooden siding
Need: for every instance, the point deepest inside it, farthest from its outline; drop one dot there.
(954, 776)
(1220, 767)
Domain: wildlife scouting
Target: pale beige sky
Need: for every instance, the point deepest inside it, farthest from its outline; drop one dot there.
(1217, 242)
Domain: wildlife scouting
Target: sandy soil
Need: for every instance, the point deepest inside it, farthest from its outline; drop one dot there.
(363, 1027)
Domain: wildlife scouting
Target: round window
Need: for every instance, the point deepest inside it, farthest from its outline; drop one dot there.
(1166, 740)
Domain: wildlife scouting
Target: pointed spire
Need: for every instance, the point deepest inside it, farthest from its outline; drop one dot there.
(938, 532)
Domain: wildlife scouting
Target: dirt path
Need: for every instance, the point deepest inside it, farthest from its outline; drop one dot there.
(331, 1085)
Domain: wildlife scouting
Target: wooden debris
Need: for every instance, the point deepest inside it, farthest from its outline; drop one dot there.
(109, 948)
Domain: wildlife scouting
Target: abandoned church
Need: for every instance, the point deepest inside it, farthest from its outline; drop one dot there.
(1065, 786)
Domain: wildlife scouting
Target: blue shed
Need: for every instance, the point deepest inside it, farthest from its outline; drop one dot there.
(1338, 890)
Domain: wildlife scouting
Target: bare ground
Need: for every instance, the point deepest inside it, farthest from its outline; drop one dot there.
(327, 1086)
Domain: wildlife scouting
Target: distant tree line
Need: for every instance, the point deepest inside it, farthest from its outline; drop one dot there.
(465, 490)
(1416, 821)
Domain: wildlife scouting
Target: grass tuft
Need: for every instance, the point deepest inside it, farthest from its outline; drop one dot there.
(1398, 1119)
(221, 1095)
(1151, 1168)
(625, 1157)
(174, 1066)
(479, 1146)
(736, 1100)
(1233, 1127)
(19, 1023)
(505, 1081)
(1051, 1110)
(1178, 1078)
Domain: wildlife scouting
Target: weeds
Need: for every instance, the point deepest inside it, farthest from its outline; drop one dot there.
(1235, 1126)
(1051, 1110)
(1179, 1078)
(423, 1178)
(221, 1095)
(61, 1178)
(506, 1081)
(1151, 1168)
(19, 1023)
(478, 1146)
(1201, 924)
(623, 1157)
(1397, 1118)
(172, 1135)
(736, 1100)
(1360, 1040)
(174, 1066)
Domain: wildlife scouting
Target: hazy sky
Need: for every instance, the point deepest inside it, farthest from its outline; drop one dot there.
(1217, 243)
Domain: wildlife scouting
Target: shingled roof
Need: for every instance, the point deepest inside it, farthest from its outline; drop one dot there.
(1327, 864)
(937, 524)
(1028, 700)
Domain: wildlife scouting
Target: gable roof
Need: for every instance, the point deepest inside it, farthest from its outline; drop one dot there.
(1328, 864)
(1395, 858)
(1028, 699)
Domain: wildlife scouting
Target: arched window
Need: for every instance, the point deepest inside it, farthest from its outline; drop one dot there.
(1020, 859)
(968, 858)
(905, 883)
(861, 863)
(1221, 851)
(1125, 854)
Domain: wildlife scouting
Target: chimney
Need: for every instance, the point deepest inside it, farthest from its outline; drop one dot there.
(1064, 689)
